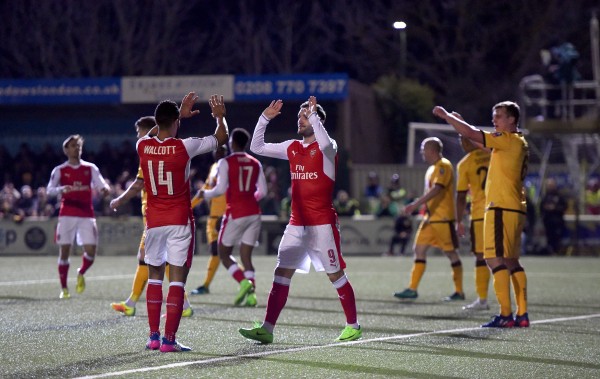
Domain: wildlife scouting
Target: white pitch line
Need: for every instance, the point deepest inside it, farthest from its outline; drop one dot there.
(305, 348)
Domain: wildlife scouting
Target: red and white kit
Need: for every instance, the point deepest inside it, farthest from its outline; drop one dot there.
(312, 234)
(166, 167)
(241, 178)
(76, 215)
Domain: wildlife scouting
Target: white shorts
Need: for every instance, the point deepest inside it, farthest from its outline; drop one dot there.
(244, 230)
(319, 244)
(69, 227)
(172, 243)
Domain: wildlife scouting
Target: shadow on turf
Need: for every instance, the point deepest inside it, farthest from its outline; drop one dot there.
(477, 354)
(85, 367)
(358, 368)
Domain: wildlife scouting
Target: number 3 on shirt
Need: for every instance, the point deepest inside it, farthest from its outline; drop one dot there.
(164, 178)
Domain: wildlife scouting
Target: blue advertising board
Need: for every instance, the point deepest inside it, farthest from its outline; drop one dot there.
(291, 87)
(60, 91)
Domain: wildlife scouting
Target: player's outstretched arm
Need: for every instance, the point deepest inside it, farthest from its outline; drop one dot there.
(463, 128)
(134, 188)
(217, 106)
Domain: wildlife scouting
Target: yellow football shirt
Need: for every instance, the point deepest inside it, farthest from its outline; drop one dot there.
(508, 167)
(472, 173)
(140, 175)
(441, 207)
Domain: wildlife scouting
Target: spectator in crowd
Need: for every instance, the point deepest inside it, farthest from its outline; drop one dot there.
(269, 205)
(25, 206)
(396, 192)
(387, 207)
(373, 192)
(552, 211)
(402, 234)
(344, 205)
(592, 196)
(44, 205)
(285, 210)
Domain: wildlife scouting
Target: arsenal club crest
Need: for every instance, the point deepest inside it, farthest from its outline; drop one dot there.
(312, 153)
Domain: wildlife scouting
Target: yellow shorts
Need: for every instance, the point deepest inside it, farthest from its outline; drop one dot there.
(502, 233)
(477, 236)
(440, 234)
(213, 224)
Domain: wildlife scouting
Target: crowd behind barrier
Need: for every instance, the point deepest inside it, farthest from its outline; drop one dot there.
(25, 175)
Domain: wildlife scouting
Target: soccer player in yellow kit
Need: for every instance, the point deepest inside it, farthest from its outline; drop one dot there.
(505, 211)
(143, 126)
(472, 174)
(213, 224)
(437, 228)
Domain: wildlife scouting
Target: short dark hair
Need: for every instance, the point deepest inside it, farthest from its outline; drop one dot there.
(320, 110)
(240, 137)
(166, 113)
(145, 123)
(512, 109)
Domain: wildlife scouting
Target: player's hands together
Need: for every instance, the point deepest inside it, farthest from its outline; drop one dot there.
(217, 106)
(67, 189)
(185, 111)
(273, 110)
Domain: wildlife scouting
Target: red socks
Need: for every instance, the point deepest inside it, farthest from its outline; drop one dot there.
(277, 299)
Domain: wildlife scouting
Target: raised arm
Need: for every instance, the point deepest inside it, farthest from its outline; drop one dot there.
(326, 143)
(463, 128)
(258, 145)
(217, 106)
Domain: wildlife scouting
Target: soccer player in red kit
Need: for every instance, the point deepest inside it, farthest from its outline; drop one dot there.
(241, 178)
(312, 234)
(165, 161)
(74, 181)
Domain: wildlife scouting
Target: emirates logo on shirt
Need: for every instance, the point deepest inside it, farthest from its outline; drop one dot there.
(300, 174)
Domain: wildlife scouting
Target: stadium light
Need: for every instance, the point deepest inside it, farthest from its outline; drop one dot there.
(401, 26)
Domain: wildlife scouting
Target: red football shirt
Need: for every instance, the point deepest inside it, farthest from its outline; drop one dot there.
(166, 167)
(82, 179)
(312, 188)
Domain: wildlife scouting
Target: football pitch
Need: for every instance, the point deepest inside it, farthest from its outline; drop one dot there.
(43, 336)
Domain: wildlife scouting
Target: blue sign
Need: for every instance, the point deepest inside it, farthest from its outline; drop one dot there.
(60, 91)
(291, 87)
